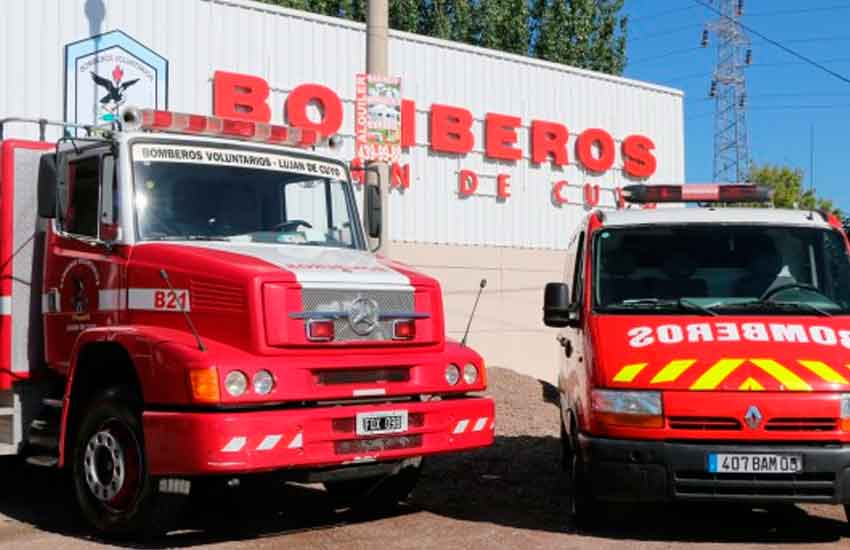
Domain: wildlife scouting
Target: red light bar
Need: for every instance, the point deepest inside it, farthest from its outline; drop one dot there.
(151, 119)
(696, 193)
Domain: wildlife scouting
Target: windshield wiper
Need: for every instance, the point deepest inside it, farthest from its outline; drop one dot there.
(190, 238)
(680, 303)
(768, 304)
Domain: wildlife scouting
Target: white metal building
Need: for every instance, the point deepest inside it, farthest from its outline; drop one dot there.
(515, 243)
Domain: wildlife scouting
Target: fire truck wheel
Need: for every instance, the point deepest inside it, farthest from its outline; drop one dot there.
(847, 515)
(377, 493)
(113, 488)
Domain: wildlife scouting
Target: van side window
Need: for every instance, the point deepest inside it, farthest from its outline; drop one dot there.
(578, 273)
(82, 187)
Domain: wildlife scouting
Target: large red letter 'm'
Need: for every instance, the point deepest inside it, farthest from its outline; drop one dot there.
(240, 96)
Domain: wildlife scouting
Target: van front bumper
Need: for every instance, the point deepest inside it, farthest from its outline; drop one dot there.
(230, 442)
(657, 471)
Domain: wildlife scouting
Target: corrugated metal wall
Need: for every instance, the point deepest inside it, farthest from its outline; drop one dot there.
(289, 48)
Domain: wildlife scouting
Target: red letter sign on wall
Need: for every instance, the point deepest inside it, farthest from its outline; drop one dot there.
(450, 129)
(549, 138)
(584, 148)
(330, 105)
(240, 96)
(638, 160)
(408, 123)
(500, 136)
(467, 183)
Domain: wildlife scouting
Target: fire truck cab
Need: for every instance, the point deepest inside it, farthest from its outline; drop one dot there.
(705, 352)
(188, 297)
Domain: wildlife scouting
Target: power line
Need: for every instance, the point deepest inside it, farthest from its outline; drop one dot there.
(779, 45)
(663, 13)
(804, 107)
(793, 12)
(785, 63)
(664, 32)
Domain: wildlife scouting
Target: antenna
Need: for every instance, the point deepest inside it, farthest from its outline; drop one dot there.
(481, 286)
(164, 275)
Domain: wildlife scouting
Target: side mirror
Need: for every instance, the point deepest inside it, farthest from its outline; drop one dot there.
(556, 306)
(48, 182)
(373, 210)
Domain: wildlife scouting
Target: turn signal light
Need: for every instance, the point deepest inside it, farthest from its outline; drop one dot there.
(204, 385)
(320, 330)
(844, 424)
(630, 420)
(404, 330)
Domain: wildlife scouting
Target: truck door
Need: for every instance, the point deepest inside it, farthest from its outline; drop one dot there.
(84, 268)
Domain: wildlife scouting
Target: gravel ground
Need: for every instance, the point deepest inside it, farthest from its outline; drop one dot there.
(508, 496)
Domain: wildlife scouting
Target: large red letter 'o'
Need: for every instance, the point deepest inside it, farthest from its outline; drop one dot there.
(329, 103)
(240, 96)
(584, 150)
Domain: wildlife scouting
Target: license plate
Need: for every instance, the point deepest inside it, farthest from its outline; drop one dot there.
(389, 422)
(754, 464)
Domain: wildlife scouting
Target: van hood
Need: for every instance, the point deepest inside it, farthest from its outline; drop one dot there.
(724, 353)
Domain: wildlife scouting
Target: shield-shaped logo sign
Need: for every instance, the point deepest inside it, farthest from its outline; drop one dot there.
(753, 417)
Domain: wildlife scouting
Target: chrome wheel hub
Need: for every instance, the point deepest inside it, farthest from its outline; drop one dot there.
(104, 466)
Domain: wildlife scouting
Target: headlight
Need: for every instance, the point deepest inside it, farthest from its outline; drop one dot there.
(236, 383)
(470, 373)
(628, 408)
(845, 412)
(263, 382)
(452, 374)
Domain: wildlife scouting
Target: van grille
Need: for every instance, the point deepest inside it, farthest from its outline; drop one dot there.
(801, 425)
(810, 486)
(704, 423)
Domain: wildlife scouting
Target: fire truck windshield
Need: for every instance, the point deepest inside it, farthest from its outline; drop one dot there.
(188, 201)
(721, 269)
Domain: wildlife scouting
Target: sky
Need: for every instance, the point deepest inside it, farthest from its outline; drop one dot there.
(787, 97)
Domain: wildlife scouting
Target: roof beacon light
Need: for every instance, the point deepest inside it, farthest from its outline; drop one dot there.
(133, 118)
(696, 192)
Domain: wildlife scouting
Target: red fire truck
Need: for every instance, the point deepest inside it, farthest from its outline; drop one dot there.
(187, 296)
(705, 352)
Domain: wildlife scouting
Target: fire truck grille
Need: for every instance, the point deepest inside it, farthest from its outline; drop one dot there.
(704, 423)
(808, 486)
(364, 376)
(206, 295)
(358, 446)
(389, 301)
(801, 425)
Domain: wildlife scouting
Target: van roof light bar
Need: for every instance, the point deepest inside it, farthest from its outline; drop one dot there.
(132, 118)
(697, 192)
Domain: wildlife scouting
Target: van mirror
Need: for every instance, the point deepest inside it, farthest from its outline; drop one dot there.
(373, 211)
(47, 184)
(556, 306)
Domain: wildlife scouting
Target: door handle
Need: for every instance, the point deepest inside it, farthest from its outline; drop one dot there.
(567, 345)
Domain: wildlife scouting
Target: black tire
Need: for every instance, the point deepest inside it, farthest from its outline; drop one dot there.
(114, 491)
(847, 515)
(585, 511)
(380, 492)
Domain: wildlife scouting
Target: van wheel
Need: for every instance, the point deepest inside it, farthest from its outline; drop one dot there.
(585, 511)
(381, 492)
(111, 482)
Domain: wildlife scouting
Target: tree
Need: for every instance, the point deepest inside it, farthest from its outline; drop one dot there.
(788, 189)
(503, 25)
(404, 15)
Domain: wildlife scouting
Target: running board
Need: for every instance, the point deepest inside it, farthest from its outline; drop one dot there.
(43, 461)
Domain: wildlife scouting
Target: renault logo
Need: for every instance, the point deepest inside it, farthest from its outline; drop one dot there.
(753, 417)
(363, 316)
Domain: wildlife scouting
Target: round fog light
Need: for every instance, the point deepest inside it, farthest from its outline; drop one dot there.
(452, 374)
(470, 373)
(236, 383)
(263, 382)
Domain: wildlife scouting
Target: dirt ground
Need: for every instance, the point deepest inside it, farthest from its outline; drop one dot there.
(508, 496)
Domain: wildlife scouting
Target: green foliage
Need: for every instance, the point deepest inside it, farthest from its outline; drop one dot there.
(583, 33)
(788, 188)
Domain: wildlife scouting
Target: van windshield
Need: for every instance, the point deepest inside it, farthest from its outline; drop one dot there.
(184, 192)
(728, 269)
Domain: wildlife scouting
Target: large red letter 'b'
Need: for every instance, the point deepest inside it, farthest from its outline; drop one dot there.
(450, 129)
(240, 96)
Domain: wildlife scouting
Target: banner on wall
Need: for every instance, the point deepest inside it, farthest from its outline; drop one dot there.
(377, 124)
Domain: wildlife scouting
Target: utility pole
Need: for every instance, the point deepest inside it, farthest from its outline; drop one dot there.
(377, 41)
(729, 88)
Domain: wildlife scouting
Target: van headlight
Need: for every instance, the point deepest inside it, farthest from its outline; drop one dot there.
(643, 409)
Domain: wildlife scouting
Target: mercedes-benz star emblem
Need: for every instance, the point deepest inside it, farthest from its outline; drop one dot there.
(753, 417)
(363, 316)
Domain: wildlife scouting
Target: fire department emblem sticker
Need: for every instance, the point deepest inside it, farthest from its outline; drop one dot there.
(78, 289)
(107, 71)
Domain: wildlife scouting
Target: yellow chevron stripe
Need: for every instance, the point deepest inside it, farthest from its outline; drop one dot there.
(824, 371)
(629, 372)
(718, 372)
(751, 384)
(788, 379)
(672, 371)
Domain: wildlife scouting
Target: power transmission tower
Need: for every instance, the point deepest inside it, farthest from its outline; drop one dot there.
(729, 88)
